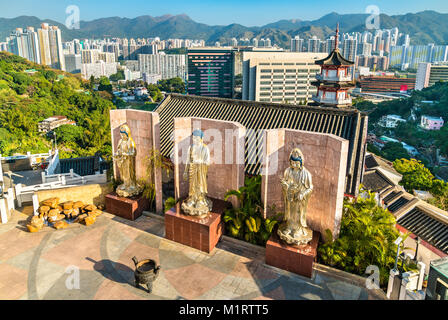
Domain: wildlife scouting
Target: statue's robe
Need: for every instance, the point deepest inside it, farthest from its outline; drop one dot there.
(126, 163)
(296, 182)
(198, 162)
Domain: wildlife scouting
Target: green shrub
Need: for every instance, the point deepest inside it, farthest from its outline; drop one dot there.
(246, 222)
(366, 238)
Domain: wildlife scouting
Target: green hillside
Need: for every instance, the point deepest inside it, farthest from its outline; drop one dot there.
(29, 97)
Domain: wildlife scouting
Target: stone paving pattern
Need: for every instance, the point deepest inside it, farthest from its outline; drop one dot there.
(33, 266)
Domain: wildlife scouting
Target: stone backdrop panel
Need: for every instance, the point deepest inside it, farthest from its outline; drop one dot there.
(225, 139)
(325, 157)
(145, 130)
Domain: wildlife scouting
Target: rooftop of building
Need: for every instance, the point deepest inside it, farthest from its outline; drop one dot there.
(55, 118)
(441, 265)
(432, 118)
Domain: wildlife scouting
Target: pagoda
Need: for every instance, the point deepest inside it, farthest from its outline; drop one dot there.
(335, 80)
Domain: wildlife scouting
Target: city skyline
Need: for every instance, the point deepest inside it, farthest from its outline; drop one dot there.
(248, 13)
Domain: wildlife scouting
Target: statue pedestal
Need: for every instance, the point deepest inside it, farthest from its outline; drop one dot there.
(128, 208)
(297, 259)
(199, 233)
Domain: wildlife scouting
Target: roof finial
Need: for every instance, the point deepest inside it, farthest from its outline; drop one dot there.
(336, 43)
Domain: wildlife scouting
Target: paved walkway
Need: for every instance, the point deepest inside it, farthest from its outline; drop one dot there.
(37, 266)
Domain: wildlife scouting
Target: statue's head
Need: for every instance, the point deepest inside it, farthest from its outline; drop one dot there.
(125, 132)
(296, 159)
(197, 136)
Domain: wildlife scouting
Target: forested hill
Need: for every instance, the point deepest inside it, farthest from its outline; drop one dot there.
(28, 96)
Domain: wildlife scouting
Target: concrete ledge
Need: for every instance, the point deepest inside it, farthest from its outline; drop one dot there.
(350, 278)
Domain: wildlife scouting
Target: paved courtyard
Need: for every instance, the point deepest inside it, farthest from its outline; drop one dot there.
(37, 266)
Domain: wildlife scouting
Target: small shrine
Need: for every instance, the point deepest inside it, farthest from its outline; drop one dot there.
(335, 79)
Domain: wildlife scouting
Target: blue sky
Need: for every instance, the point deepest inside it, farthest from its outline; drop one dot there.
(218, 12)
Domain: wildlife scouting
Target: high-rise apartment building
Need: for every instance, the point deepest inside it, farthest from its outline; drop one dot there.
(375, 63)
(73, 63)
(364, 49)
(314, 44)
(211, 72)
(282, 77)
(55, 43)
(25, 43)
(410, 56)
(349, 48)
(98, 69)
(329, 44)
(167, 65)
(296, 44)
(43, 46)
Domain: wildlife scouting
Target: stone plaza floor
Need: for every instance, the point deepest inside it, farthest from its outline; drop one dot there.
(37, 266)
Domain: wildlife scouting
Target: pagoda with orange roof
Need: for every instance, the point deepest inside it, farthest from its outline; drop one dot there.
(335, 79)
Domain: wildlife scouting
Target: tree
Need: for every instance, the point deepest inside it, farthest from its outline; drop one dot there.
(117, 76)
(155, 92)
(105, 85)
(174, 85)
(415, 175)
(69, 133)
(394, 150)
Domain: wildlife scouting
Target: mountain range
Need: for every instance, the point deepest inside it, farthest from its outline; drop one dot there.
(423, 27)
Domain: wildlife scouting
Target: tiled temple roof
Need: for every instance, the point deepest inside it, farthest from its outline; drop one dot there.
(349, 124)
(334, 59)
(426, 227)
(375, 181)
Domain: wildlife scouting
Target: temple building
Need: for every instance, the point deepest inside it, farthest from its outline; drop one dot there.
(347, 123)
(335, 79)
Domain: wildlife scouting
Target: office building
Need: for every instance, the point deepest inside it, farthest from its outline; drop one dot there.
(428, 74)
(211, 72)
(386, 84)
(280, 77)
